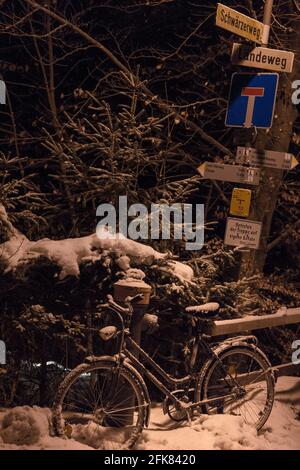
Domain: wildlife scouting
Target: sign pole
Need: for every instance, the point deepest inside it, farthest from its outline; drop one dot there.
(267, 21)
(263, 57)
(266, 195)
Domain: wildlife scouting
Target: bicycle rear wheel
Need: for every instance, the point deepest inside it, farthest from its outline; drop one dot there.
(242, 369)
(102, 405)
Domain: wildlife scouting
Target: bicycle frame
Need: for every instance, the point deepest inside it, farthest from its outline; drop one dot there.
(166, 377)
(170, 380)
(124, 352)
(127, 339)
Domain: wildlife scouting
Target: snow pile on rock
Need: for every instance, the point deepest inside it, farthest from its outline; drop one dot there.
(24, 425)
(26, 428)
(70, 253)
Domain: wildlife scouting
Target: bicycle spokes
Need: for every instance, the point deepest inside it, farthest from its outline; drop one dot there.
(240, 383)
(101, 408)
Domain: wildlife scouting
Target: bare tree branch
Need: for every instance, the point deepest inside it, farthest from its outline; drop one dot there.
(132, 79)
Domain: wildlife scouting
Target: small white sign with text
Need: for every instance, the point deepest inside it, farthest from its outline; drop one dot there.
(243, 233)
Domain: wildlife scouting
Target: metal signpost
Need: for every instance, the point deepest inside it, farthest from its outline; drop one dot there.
(231, 173)
(262, 58)
(268, 10)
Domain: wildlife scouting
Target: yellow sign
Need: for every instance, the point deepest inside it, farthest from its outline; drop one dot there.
(240, 202)
(240, 24)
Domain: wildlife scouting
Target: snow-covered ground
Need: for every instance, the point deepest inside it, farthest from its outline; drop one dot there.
(28, 428)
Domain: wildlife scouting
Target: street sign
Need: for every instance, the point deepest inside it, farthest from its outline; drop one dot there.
(268, 158)
(2, 92)
(240, 202)
(231, 173)
(243, 233)
(252, 100)
(240, 24)
(262, 58)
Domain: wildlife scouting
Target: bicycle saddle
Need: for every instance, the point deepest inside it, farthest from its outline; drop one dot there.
(209, 310)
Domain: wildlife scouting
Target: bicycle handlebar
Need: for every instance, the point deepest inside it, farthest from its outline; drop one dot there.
(128, 301)
(116, 306)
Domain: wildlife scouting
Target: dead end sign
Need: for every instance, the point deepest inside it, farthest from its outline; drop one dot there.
(243, 233)
(252, 100)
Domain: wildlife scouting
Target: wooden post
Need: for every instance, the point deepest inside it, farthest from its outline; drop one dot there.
(125, 288)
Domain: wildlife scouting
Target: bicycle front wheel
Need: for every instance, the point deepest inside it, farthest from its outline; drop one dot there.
(102, 405)
(245, 373)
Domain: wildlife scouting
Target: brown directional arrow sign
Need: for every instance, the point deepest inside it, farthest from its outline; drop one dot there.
(231, 173)
(268, 158)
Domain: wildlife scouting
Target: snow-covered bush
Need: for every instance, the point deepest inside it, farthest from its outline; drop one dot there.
(52, 291)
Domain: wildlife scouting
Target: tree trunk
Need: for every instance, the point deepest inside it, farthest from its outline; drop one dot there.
(265, 197)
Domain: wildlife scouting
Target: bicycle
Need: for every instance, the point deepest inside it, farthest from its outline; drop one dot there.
(105, 401)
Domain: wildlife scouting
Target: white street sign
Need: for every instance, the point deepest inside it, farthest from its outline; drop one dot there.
(268, 158)
(231, 173)
(243, 233)
(240, 24)
(262, 58)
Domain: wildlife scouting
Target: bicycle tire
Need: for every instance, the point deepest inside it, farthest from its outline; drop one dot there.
(206, 382)
(126, 373)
